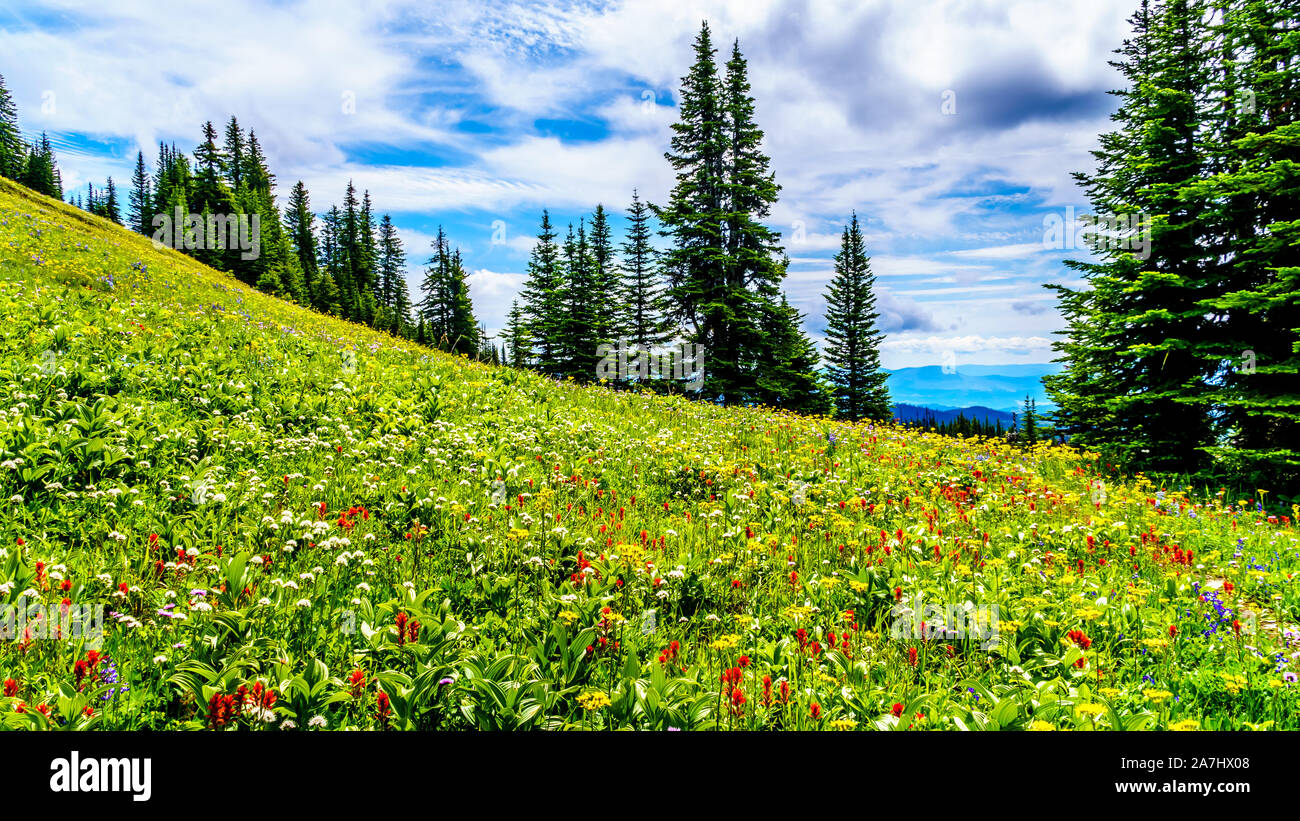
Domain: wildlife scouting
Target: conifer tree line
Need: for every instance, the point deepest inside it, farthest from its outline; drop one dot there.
(716, 284)
(31, 164)
(1187, 359)
(960, 426)
(344, 261)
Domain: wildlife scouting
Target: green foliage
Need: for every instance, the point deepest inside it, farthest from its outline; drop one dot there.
(853, 340)
(1184, 358)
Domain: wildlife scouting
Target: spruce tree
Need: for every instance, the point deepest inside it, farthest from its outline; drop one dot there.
(300, 223)
(1029, 421)
(394, 295)
(233, 155)
(642, 296)
(436, 292)
(516, 337)
(1135, 384)
(1251, 186)
(13, 153)
(141, 198)
(464, 334)
(582, 322)
(725, 267)
(694, 220)
(610, 322)
(542, 305)
(853, 340)
(40, 172)
(112, 209)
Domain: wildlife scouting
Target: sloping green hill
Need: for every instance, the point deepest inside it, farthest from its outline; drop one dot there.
(291, 521)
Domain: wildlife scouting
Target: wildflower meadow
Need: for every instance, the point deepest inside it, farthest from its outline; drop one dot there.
(226, 512)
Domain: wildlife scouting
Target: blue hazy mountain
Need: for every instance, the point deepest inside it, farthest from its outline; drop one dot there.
(912, 413)
(996, 387)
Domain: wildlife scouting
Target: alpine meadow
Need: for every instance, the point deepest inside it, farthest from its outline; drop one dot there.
(278, 465)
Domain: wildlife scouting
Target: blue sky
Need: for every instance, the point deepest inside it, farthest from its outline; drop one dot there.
(476, 116)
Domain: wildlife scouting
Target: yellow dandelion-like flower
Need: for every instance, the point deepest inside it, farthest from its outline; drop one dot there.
(1090, 710)
(593, 701)
(728, 642)
(844, 724)
(1186, 725)
(1041, 726)
(1158, 696)
(568, 616)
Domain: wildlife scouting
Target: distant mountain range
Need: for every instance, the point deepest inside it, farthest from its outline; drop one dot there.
(987, 388)
(913, 413)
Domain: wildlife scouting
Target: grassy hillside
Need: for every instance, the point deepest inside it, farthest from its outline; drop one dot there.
(291, 521)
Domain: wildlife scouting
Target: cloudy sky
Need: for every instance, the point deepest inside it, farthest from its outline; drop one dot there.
(952, 127)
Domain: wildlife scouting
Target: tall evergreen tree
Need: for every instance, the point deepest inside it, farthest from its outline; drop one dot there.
(464, 334)
(610, 322)
(583, 322)
(112, 209)
(300, 223)
(141, 198)
(445, 306)
(1135, 382)
(642, 297)
(542, 307)
(1029, 422)
(694, 221)
(853, 340)
(1251, 240)
(233, 155)
(516, 337)
(725, 267)
(13, 153)
(210, 192)
(394, 295)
